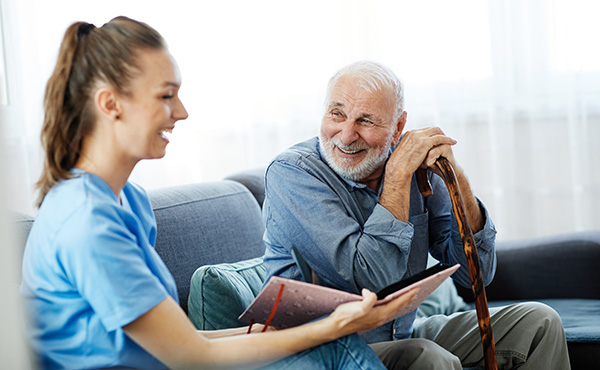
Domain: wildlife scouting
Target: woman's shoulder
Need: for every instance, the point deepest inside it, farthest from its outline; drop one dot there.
(85, 201)
(71, 194)
(78, 218)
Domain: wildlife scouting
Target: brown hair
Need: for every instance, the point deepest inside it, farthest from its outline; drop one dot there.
(87, 56)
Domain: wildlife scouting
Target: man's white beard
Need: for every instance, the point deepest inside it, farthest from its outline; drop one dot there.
(344, 167)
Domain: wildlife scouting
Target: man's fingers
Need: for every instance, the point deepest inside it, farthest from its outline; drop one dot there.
(428, 139)
(442, 140)
(435, 153)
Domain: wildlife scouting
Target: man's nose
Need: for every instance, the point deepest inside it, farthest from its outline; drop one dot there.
(348, 134)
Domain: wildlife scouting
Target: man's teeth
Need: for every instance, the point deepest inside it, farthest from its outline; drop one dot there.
(349, 151)
(166, 133)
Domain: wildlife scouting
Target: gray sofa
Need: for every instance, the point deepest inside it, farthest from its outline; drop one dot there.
(220, 222)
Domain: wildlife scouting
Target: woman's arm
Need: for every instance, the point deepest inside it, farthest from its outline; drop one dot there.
(167, 334)
(212, 334)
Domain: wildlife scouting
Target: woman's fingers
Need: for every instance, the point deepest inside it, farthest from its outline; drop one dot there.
(364, 315)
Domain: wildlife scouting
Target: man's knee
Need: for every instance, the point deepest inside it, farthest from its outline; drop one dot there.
(415, 353)
(542, 315)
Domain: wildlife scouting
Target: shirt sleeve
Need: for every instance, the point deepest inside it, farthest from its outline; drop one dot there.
(446, 244)
(303, 210)
(103, 258)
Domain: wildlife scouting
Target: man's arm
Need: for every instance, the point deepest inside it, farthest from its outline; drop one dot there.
(445, 239)
(350, 246)
(422, 148)
(473, 211)
(414, 148)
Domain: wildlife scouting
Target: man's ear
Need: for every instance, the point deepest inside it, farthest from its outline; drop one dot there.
(399, 127)
(107, 102)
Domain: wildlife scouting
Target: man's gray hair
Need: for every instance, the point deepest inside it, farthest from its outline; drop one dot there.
(374, 77)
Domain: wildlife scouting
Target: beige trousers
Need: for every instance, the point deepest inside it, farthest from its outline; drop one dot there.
(528, 336)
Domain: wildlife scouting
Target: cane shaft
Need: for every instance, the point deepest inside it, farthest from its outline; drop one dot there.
(477, 285)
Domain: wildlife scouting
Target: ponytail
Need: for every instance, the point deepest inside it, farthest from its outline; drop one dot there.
(87, 56)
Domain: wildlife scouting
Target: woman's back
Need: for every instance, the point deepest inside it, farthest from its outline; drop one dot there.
(89, 269)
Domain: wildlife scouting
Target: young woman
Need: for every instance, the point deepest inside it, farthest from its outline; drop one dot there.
(99, 294)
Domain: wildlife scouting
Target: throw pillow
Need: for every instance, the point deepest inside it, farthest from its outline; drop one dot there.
(220, 293)
(443, 301)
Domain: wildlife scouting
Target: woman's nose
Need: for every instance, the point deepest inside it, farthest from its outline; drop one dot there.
(180, 113)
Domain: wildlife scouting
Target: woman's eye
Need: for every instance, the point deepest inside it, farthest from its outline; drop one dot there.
(168, 95)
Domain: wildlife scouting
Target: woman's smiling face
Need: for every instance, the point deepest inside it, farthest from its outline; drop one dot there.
(151, 108)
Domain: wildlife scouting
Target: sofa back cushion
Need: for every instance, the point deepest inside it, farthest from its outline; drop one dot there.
(205, 223)
(254, 180)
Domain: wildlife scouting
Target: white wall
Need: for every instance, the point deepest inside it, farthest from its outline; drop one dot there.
(514, 81)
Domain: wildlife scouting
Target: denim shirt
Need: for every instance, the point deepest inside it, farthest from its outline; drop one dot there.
(350, 240)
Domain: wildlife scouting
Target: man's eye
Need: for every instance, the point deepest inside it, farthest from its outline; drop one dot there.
(367, 122)
(168, 96)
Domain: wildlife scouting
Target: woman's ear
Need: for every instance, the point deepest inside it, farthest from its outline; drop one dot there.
(399, 127)
(107, 103)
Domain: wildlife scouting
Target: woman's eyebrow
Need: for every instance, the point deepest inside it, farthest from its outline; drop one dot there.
(171, 84)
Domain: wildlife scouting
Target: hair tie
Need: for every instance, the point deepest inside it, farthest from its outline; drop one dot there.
(85, 29)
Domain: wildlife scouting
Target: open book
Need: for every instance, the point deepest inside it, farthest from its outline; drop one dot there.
(285, 303)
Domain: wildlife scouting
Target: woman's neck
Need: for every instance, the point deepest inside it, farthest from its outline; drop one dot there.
(101, 161)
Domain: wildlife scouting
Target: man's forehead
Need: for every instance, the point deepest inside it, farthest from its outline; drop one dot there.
(356, 98)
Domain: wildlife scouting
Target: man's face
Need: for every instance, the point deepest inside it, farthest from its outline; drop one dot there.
(357, 130)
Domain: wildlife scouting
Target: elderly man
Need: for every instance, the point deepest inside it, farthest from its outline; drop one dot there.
(348, 201)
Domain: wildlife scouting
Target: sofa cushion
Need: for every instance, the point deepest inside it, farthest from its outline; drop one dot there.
(220, 293)
(580, 317)
(444, 300)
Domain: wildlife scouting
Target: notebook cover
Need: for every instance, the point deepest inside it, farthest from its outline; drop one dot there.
(302, 302)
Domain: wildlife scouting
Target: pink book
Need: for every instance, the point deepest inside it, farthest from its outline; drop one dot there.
(301, 302)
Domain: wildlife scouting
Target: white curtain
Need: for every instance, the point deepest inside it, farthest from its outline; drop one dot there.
(516, 82)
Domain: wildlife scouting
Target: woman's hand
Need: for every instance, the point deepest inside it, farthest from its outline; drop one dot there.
(364, 315)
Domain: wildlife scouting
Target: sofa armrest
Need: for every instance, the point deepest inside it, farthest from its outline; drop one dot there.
(562, 266)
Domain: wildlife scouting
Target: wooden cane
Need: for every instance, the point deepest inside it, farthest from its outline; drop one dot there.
(477, 285)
